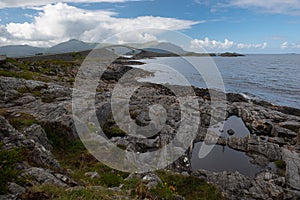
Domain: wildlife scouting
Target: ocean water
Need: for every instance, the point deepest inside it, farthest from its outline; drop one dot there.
(273, 78)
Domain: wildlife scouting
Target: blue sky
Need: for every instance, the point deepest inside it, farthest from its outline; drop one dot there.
(246, 26)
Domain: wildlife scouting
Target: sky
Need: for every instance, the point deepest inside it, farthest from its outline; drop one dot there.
(244, 26)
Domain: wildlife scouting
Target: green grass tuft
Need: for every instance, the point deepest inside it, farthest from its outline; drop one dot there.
(281, 165)
(22, 121)
(59, 193)
(189, 187)
(8, 161)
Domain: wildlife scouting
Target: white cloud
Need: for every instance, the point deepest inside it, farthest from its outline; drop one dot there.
(249, 46)
(202, 2)
(60, 22)
(29, 3)
(223, 45)
(137, 36)
(287, 45)
(211, 44)
(284, 45)
(290, 7)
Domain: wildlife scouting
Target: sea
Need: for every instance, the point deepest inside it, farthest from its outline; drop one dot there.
(272, 78)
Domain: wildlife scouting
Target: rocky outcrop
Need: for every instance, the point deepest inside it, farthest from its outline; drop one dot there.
(37, 147)
(273, 133)
(234, 185)
(292, 160)
(41, 176)
(37, 134)
(37, 153)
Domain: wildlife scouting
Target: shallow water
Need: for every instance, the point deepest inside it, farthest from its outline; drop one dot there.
(226, 159)
(233, 122)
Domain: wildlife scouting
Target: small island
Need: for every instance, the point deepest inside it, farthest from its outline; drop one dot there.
(228, 54)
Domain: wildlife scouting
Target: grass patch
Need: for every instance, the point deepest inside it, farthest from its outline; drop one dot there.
(8, 161)
(3, 112)
(57, 138)
(35, 91)
(77, 158)
(74, 156)
(28, 75)
(189, 187)
(138, 190)
(21, 121)
(59, 193)
(281, 165)
(112, 130)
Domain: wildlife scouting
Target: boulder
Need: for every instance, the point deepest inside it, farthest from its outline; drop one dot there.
(16, 189)
(37, 133)
(92, 175)
(292, 173)
(267, 185)
(238, 143)
(151, 180)
(37, 153)
(43, 176)
(269, 150)
(233, 184)
(230, 132)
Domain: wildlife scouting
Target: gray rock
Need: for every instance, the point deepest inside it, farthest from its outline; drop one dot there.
(24, 100)
(37, 133)
(269, 150)
(92, 175)
(297, 146)
(151, 180)
(66, 179)
(267, 185)
(43, 157)
(42, 176)
(238, 143)
(103, 113)
(9, 197)
(291, 125)
(7, 96)
(279, 131)
(6, 129)
(11, 83)
(292, 194)
(292, 174)
(16, 189)
(230, 132)
(37, 153)
(258, 159)
(234, 185)
(277, 140)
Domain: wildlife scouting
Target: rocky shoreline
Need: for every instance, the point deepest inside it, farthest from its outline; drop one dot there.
(34, 114)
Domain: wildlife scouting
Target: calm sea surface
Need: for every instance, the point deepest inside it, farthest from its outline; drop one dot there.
(274, 78)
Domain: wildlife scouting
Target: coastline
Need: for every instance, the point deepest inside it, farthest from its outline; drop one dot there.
(273, 129)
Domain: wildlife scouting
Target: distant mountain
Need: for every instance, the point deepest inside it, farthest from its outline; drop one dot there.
(169, 47)
(65, 47)
(156, 47)
(159, 47)
(157, 50)
(20, 50)
(77, 46)
(71, 46)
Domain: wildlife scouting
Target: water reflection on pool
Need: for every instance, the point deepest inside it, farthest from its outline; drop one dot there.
(233, 123)
(226, 159)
